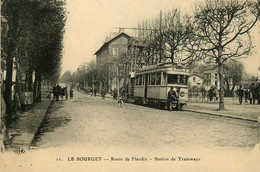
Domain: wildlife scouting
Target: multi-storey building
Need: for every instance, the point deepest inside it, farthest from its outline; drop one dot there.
(113, 48)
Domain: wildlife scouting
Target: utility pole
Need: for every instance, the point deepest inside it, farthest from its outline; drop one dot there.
(160, 31)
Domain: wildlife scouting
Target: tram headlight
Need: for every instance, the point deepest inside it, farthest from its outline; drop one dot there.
(182, 94)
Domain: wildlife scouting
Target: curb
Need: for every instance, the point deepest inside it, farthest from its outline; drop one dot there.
(222, 115)
(39, 127)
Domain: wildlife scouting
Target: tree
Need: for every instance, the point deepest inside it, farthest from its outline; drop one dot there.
(165, 38)
(175, 31)
(91, 75)
(221, 32)
(46, 43)
(234, 70)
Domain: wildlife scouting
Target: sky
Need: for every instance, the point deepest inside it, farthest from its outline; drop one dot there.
(90, 21)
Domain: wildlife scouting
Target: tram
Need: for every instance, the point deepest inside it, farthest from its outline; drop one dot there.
(152, 84)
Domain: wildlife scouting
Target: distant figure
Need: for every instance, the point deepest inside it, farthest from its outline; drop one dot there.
(71, 93)
(211, 94)
(177, 97)
(58, 90)
(171, 97)
(240, 94)
(258, 92)
(66, 93)
(103, 93)
(95, 92)
(54, 91)
(115, 94)
(120, 101)
(252, 93)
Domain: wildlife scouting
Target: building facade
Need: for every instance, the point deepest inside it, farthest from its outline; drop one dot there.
(114, 48)
(195, 80)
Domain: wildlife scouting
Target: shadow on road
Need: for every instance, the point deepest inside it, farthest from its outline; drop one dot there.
(51, 121)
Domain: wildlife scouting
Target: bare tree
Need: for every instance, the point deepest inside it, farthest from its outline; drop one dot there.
(222, 32)
(175, 31)
(233, 69)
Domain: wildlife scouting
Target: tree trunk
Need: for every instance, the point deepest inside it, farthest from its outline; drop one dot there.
(3, 122)
(39, 96)
(8, 82)
(29, 82)
(18, 86)
(35, 90)
(221, 85)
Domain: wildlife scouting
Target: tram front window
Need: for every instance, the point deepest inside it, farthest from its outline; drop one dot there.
(177, 79)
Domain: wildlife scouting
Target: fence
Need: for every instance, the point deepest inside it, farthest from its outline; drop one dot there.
(203, 96)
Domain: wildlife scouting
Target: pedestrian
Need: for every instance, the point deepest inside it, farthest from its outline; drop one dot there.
(66, 93)
(258, 92)
(252, 93)
(240, 94)
(58, 90)
(115, 94)
(211, 93)
(54, 91)
(103, 93)
(177, 98)
(171, 97)
(71, 93)
(95, 92)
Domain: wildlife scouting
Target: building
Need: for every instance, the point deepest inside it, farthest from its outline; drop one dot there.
(115, 47)
(211, 77)
(195, 80)
(124, 47)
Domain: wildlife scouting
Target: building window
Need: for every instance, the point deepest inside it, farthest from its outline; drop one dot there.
(216, 76)
(115, 52)
(193, 79)
(216, 83)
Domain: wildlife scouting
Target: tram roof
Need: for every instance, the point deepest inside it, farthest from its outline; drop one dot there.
(171, 68)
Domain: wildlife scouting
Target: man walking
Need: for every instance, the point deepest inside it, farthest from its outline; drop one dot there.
(240, 94)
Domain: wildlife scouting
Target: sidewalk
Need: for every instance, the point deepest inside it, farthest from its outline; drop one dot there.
(233, 109)
(23, 129)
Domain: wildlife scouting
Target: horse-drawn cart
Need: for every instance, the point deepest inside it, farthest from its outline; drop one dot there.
(61, 91)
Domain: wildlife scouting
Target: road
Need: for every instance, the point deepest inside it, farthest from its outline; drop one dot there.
(91, 121)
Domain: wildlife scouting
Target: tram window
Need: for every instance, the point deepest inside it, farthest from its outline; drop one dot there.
(140, 80)
(172, 79)
(177, 79)
(158, 78)
(164, 78)
(152, 76)
(184, 79)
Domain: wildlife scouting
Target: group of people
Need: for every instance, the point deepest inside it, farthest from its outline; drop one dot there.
(252, 94)
(173, 95)
(58, 91)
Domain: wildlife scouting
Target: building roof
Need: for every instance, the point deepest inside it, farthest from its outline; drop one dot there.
(111, 40)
